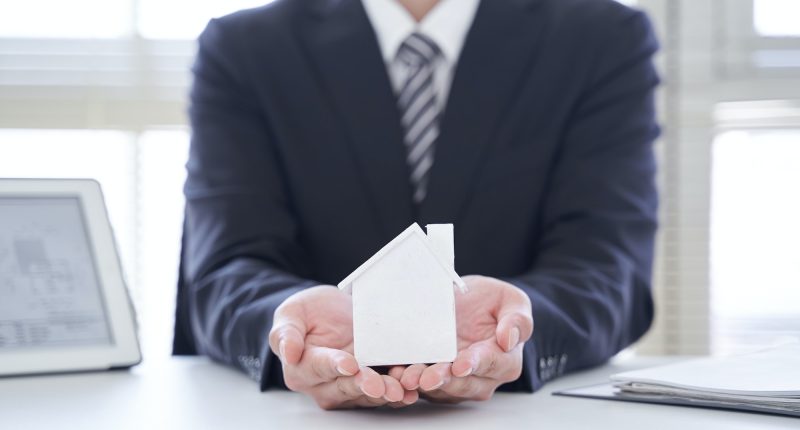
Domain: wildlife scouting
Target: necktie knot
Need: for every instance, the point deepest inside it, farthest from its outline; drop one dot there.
(418, 50)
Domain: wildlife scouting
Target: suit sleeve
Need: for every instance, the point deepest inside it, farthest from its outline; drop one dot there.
(590, 282)
(242, 255)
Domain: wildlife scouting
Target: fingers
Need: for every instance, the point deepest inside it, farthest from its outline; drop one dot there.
(287, 342)
(469, 388)
(514, 320)
(345, 388)
(474, 375)
(327, 364)
(287, 337)
(465, 363)
(478, 371)
(485, 359)
(360, 391)
(365, 389)
(409, 398)
(488, 361)
(411, 375)
(394, 391)
(434, 376)
(341, 393)
(396, 372)
(371, 383)
(410, 395)
(318, 365)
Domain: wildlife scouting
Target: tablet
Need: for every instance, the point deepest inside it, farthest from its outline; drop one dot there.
(63, 301)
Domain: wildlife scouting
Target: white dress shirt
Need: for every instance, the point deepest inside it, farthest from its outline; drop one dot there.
(446, 24)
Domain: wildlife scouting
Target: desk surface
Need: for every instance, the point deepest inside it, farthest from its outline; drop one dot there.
(193, 393)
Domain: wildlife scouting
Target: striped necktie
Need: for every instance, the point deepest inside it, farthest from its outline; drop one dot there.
(418, 108)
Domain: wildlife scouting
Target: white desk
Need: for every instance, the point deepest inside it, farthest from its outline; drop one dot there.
(193, 393)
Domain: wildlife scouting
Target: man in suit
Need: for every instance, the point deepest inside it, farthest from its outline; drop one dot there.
(323, 128)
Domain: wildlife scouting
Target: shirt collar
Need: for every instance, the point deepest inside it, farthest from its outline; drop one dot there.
(446, 24)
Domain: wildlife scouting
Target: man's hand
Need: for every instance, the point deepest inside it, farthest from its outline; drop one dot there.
(312, 334)
(494, 320)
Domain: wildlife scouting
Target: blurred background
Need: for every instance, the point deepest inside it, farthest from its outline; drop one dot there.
(97, 88)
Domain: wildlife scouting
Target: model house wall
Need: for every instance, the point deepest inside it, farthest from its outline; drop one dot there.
(403, 300)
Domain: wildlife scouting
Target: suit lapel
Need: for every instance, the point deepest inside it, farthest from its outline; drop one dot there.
(343, 46)
(497, 53)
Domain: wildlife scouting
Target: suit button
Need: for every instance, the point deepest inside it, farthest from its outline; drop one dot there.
(544, 373)
(562, 363)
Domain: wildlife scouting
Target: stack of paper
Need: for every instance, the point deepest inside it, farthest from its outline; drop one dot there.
(768, 381)
(765, 381)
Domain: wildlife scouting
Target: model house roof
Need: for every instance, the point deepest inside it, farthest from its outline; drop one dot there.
(414, 229)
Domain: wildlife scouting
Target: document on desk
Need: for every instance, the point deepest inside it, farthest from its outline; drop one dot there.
(765, 381)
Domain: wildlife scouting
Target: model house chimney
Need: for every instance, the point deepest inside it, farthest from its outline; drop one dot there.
(440, 238)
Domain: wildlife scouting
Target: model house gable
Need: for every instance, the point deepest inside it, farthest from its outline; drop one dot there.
(412, 254)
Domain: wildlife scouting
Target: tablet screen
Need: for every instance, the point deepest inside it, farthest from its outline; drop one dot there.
(50, 294)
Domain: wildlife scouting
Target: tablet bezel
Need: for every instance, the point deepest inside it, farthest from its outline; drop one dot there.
(124, 350)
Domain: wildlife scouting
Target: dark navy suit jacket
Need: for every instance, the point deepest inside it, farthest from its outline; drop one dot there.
(297, 171)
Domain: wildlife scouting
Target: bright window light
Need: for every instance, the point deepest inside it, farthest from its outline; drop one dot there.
(156, 19)
(755, 237)
(184, 19)
(65, 19)
(776, 18)
(162, 157)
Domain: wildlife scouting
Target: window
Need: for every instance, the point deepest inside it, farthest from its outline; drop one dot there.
(728, 268)
(755, 259)
(755, 169)
(184, 19)
(152, 19)
(757, 39)
(776, 18)
(108, 19)
(103, 95)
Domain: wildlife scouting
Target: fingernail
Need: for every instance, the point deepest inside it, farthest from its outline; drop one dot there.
(368, 394)
(465, 373)
(282, 349)
(344, 372)
(513, 339)
(436, 386)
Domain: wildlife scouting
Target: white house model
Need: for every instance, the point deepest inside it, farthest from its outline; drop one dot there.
(404, 301)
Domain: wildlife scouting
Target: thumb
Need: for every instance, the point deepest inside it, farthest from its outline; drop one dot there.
(287, 337)
(514, 320)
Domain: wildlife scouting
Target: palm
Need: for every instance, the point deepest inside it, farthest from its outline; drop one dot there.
(476, 313)
(328, 314)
